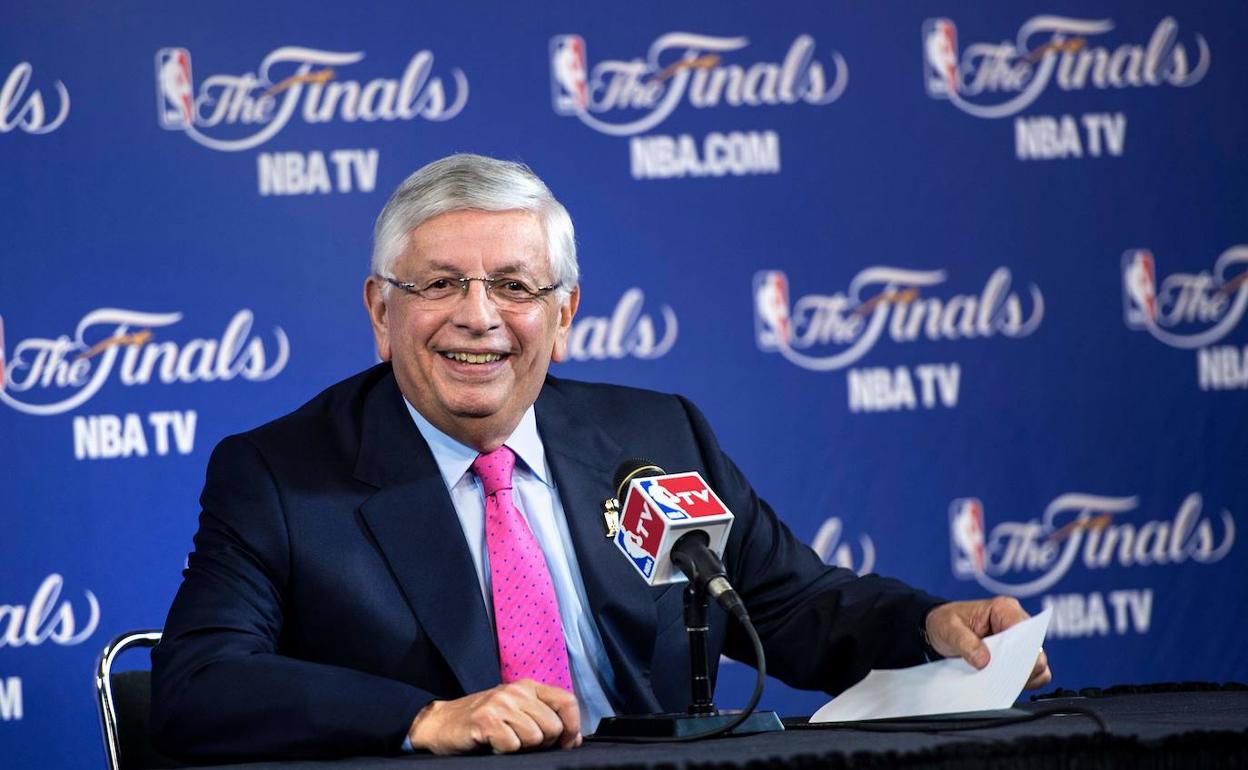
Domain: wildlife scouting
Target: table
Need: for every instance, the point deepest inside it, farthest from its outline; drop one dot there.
(1188, 729)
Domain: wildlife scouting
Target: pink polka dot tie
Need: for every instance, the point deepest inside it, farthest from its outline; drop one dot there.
(526, 613)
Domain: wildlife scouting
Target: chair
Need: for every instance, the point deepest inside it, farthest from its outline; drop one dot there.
(124, 700)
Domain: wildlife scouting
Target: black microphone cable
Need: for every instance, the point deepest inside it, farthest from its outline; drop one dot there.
(760, 660)
(722, 591)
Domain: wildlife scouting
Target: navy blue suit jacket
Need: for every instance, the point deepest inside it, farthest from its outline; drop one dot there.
(331, 595)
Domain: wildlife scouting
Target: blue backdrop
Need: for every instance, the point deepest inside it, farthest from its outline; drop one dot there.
(960, 286)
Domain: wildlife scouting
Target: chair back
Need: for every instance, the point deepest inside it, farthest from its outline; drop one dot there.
(125, 701)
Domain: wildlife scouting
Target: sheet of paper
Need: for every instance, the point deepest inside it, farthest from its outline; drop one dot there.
(947, 686)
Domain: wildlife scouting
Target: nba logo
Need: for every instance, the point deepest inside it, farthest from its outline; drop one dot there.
(772, 327)
(655, 512)
(642, 559)
(568, 74)
(667, 503)
(175, 105)
(1139, 288)
(940, 57)
(966, 536)
(685, 496)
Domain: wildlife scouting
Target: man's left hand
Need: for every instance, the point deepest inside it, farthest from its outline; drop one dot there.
(956, 629)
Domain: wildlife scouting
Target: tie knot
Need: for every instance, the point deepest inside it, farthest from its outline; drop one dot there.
(494, 469)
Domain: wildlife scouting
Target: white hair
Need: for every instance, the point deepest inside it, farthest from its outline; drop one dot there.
(465, 181)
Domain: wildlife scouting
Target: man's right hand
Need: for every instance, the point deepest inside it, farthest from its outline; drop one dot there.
(510, 717)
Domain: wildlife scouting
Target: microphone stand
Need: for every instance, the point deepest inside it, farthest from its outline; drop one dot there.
(697, 626)
(702, 718)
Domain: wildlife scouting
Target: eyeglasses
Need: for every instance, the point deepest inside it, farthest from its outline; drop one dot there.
(506, 292)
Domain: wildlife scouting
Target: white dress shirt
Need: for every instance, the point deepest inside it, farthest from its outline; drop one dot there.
(534, 493)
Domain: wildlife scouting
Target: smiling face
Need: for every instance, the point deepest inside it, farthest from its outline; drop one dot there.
(469, 367)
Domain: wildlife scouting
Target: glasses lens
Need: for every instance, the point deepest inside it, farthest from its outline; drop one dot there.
(505, 292)
(440, 288)
(513, 290)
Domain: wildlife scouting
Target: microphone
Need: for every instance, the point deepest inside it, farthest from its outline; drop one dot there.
(676, 519)
(662, 521)
(701, 565)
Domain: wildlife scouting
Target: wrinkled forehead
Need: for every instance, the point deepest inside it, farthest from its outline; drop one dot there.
(471, 242)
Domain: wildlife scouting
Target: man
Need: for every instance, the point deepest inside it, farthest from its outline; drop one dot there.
(415, 559)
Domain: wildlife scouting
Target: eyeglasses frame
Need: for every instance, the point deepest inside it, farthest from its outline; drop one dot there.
(409, 287)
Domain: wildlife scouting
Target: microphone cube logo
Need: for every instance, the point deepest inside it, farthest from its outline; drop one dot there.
(1139, 288)
(940, 57)
(772, 324)
(966, 536)
(665, 503)
(174, 94)
(683, 496)
(641, 532)
(657, 511)
(569, 74)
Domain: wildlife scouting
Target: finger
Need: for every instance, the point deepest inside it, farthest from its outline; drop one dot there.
(564, 704)
(1003, 612)
(1039, 680)
(546, 719)
(502, 738)
(1040, 673)
(967, 643)
(526, 728)
(1042, 663)
(495, 719)
(535, 721)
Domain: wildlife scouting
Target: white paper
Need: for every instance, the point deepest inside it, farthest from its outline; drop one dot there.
(946, 686)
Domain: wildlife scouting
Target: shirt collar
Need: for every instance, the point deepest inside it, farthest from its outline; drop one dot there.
(455, 459)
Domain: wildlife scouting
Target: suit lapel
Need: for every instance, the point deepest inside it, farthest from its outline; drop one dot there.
(583, 458)
(414, 525)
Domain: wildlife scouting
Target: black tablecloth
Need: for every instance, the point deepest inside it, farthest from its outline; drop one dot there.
(1149, 730)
